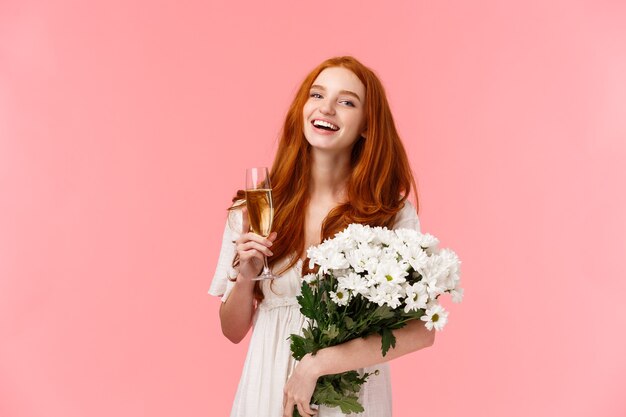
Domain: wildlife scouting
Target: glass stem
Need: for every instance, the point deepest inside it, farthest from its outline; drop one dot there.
(266, 268)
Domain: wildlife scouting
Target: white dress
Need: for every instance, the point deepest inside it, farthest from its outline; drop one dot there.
(269, 362)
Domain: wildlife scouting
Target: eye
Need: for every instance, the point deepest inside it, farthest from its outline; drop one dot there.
(348, 103)
(315, 95)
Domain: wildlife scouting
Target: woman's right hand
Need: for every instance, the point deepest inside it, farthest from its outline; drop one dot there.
(251, 248)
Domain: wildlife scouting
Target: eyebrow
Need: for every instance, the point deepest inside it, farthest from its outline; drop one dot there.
(348, 92)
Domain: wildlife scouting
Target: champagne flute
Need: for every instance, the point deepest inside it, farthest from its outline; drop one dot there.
(260, 209)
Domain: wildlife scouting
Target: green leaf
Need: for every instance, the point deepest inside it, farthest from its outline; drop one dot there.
(307, 301)
(297, 346)
(349, 322)
(350, 382)
(397, 326)
(414, 314)
(326, 393)
(348, 404)
(308, 333)
(383, 312)
(331, 333)
(388, 340)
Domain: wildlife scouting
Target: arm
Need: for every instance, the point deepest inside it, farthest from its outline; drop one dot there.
(237, 311)
(364, 352)
(357, 353)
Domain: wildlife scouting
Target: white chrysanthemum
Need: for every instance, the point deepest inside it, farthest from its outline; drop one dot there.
(374, 262)
(327, 256)
(336, 260)
(390, 273)
(310, 278)
(376, 295)
(436, 317)
(360, 234)
(416, 297)
(432, 287)
(434, 275)
(363, 286)
(362, 264)
(457, 294)
(429, 243)
(384, 236)
(451, 260)
(370, 251)
(450, 282)
(370, 280)
(341, 297)
(408, 236)
(353, 282)
(395, 295)
(356, 260)
(315, 255)
(344, 241)
(390, 295)
(416, 257)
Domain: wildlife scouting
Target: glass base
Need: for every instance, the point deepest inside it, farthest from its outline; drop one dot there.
(263, 277)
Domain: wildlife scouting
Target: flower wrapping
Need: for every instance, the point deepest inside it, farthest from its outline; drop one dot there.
(370, 280)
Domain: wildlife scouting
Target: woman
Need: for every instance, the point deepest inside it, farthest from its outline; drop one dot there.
(339, 161)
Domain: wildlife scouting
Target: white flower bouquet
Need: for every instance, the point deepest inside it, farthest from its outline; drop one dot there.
(370, 280)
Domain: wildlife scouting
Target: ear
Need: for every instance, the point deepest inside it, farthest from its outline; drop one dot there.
(364, 134)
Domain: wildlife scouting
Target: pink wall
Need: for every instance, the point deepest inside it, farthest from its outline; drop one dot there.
(125, 126)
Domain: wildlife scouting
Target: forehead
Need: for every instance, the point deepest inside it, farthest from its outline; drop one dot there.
(339, 78)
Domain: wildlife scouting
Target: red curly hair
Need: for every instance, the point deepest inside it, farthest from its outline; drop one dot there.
(380, 180)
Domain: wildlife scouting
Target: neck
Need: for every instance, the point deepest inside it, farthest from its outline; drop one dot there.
(329, 175)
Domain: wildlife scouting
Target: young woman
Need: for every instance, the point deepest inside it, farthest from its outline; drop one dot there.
(339, 161)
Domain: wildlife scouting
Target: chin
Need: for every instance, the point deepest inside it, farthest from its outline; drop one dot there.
(321, 143)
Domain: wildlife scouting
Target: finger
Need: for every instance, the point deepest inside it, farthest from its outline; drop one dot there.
(288, 412)
(308, 409)
(245, 225)
(254, 237)
(254, 246)
(272, 236)
(250, 245)
(301, 411)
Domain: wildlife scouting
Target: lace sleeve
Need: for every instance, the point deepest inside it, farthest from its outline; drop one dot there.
(221, 285)
(407, 218)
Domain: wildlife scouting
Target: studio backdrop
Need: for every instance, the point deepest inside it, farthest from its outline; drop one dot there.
(125, 129)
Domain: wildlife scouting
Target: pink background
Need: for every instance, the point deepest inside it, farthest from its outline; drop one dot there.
(125, 127)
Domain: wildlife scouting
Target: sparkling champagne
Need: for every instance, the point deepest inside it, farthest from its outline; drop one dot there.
(260, 210)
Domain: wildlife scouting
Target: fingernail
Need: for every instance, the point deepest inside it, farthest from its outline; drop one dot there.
(271, 253)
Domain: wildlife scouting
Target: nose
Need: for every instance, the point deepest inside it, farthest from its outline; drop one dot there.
(327, 107)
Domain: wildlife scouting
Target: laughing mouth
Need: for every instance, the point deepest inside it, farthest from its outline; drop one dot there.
(322, 124)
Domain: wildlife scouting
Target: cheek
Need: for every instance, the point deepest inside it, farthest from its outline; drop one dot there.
(356, 122)
(363, 124)
(306, 110)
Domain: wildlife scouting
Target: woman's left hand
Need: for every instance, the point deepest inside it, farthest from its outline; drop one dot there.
(299, 389)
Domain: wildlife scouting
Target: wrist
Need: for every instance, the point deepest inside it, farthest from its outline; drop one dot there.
(312, 365)
(244, 282)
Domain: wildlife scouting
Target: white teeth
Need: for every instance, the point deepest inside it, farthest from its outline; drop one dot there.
(325, 124)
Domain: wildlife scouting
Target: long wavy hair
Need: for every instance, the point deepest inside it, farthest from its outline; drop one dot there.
(380, 179)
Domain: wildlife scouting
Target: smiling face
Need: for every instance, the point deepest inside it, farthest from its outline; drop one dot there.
(334, 114)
